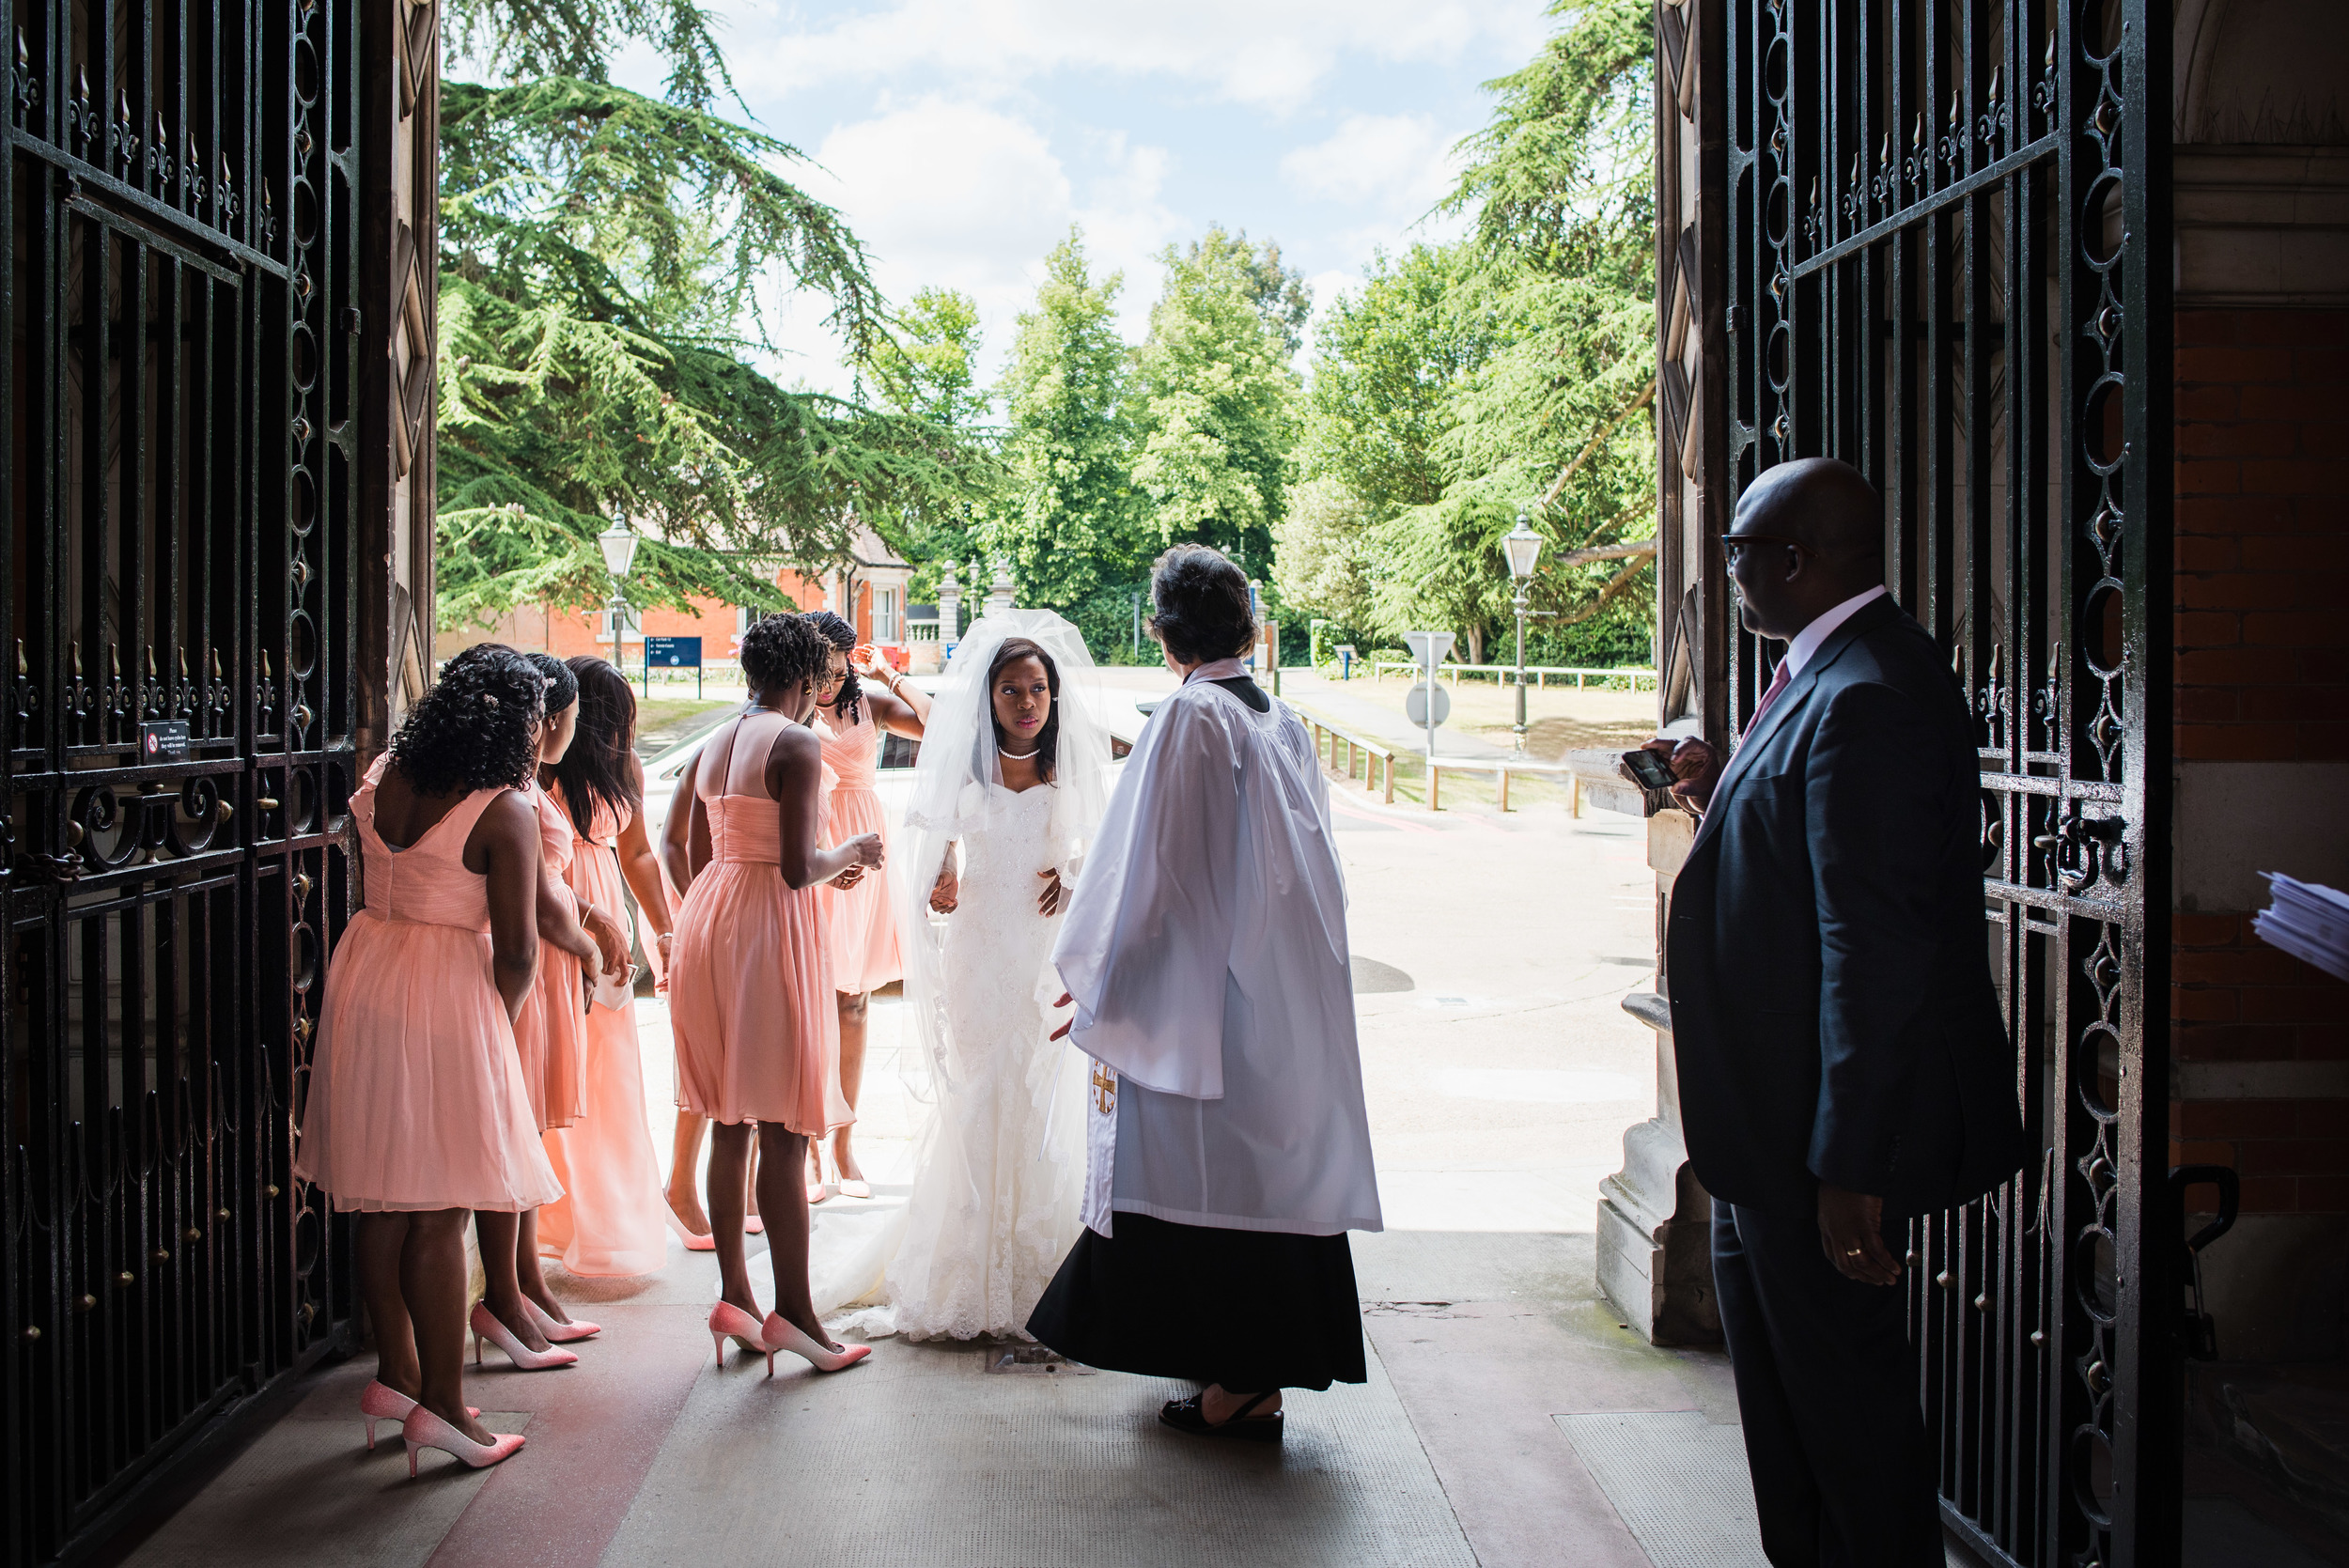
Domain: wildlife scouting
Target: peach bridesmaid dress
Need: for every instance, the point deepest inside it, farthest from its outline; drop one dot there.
(416, 1099)
(862, 927)
(613, 1220)
(549, 1030)
(750, 980)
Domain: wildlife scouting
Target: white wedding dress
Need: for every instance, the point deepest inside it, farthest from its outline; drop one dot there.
(1001, 1181)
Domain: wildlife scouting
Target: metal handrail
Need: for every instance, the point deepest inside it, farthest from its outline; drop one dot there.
(1539, 672)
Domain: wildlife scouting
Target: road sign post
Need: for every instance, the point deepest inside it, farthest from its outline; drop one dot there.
(1428, 703)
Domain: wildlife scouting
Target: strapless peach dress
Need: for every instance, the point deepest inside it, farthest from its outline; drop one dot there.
(611, 1219)
(750, 984)
(550, 1031)
(862, 925)
(416, 1099)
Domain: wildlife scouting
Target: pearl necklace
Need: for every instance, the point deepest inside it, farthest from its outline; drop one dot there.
(1017, 757)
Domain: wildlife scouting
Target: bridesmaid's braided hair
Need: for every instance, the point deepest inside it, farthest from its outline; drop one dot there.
(562, 686)
(841, 635)
(780, 649)
(477, 728)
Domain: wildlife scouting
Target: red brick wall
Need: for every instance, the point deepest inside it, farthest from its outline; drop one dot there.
(2263, 675)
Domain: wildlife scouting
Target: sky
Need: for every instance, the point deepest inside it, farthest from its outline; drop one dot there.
(962, 138)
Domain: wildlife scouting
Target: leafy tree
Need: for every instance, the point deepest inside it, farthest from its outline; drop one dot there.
(1217, 402)
(929, 371)
(603, 257)
(1322, 552)
(1067, 516)
(1512, 373)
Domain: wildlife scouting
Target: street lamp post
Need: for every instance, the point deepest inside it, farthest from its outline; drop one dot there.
(618, 543)
(1523, 548)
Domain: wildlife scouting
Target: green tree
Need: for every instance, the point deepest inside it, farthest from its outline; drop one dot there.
(928, 370)
(602, 257)
(1067, 516)
(1217, 402)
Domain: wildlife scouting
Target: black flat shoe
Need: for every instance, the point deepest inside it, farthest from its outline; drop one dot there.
(1186, 1415)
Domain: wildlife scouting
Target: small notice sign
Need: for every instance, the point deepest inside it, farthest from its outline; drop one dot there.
(673, 653)
(163, 740)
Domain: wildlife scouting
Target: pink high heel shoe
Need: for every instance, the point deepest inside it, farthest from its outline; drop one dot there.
(424, 1429)
(560, 1333)
(381, 1401)
(702, 1242)
(487, 1326)
(730, 1322)
(782, 1333)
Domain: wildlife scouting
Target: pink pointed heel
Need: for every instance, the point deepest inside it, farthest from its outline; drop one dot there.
(424, 1429)
(487, 1326)
(730, 1322)
(560, 1333)
(702, 1242)
(782, 1333)
(381, 1401)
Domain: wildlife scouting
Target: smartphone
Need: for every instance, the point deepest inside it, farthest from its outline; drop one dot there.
(1651, 769)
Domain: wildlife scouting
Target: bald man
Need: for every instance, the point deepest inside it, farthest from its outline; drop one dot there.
(1843, 1059)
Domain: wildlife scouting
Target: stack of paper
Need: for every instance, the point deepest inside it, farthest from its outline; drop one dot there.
(2308, 921)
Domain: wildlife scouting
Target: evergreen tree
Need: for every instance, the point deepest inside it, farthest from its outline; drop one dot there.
(1217, 402)
(1067, 516)
(602, 260)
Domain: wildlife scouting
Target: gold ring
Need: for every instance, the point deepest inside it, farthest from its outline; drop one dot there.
(1851, 1252)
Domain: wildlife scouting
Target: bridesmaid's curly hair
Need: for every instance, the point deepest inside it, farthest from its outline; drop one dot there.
(477, 728)
(780, 649)
(841, 635)
(1201, 612)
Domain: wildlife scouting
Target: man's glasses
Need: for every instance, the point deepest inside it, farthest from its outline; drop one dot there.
(1733, 545)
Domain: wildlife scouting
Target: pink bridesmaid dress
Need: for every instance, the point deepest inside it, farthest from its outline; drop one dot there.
(550, 1030)
(416, 1098)
(612, 1221)
(749, 982)
(863, 927)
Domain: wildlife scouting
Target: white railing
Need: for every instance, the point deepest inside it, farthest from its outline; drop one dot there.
(1629, 679)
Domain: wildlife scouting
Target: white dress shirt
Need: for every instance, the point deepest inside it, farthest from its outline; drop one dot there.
(1807, 641)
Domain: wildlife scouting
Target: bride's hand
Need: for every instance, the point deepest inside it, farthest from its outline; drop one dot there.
(1054, 897)
(1062, 1032)
(947, 891)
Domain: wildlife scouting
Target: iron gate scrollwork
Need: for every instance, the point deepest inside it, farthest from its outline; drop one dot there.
(1948, 264)
(178, 621)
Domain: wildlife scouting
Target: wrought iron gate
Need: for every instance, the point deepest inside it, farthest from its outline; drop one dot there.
(1948, 263)
(179, 617)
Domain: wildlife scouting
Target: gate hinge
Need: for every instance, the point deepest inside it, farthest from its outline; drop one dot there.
(1734, 321)
(353, 322)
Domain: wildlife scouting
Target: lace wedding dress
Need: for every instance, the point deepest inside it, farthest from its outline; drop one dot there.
(995, 1202)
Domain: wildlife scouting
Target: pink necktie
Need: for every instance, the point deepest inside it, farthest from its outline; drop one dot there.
(1778, 684)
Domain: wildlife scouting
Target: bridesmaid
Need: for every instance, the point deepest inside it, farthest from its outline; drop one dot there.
(863, 929)
(518, 1313)
(609, 1220)
(416, 1113)
(749, 987)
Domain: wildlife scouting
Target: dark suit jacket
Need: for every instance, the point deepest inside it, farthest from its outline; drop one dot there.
(1833, 1013)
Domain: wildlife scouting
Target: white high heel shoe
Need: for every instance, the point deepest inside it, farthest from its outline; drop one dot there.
(781, 1333)
(424, 1429)
(486, 1325)
(560, 1333)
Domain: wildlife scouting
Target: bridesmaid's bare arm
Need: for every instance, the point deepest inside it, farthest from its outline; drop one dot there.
(795, 777)
(503, 846)
(641, 869)
(558, 922)
(894, 710)
(676, 836)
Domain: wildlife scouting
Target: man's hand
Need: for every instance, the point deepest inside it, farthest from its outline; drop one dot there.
(1851, 1231)
(1698, 768)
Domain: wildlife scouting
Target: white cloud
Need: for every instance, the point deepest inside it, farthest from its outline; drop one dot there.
(1272, 54)
(1402, 163)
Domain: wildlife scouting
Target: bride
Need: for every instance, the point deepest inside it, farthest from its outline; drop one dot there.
(1010, 784)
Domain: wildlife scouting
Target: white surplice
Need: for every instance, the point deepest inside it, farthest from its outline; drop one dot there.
(1206, 953)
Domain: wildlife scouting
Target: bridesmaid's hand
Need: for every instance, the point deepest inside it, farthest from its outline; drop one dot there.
(1054, 898)
(947, 891)
(865, 849)
(869, 664)
(849, 877)
(610, 941)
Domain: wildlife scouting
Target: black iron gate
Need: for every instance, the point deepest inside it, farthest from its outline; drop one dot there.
(178, 619)
(1948, 264)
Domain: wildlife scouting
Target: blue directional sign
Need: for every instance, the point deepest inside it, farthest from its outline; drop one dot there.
(673, 653)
